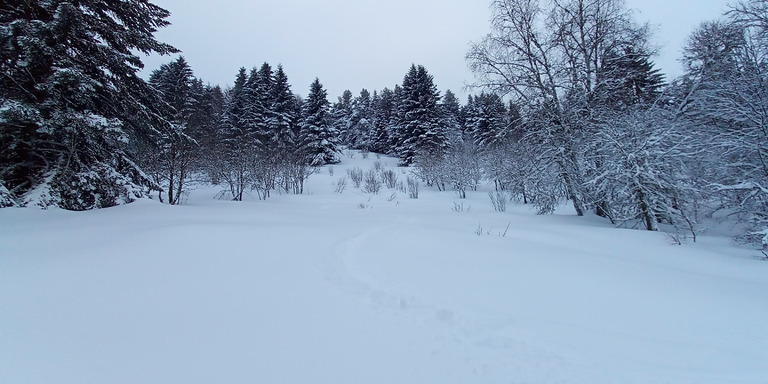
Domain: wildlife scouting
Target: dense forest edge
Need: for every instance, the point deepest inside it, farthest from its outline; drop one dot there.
(567, 107)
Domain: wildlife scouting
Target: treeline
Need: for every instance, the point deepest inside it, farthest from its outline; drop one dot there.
(570, 107)
(258, 136)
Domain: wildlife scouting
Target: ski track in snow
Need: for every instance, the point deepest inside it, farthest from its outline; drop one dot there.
(457, 330)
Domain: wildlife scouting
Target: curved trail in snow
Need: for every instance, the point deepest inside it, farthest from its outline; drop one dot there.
(484, 340)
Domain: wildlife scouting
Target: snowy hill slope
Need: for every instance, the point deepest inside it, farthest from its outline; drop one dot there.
(361, 288)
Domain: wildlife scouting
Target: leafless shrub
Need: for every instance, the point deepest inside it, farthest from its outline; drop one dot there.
(389, 177)
(413, 187)
(365, 153)
(356, 175)
(498, 200)
(341, 184)
(371, 182)
(378, 166)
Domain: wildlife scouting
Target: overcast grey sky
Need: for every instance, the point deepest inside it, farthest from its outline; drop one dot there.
(355, 44)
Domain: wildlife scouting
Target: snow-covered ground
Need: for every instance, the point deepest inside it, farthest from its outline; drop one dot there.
(361, 288)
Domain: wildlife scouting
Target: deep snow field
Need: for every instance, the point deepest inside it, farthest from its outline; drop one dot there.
(360, 288)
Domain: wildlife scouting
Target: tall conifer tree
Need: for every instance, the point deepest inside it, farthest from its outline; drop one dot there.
(70, 96)
(421, 127)
(320, 139)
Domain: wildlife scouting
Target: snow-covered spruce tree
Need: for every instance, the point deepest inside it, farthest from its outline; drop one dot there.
(451, 112)
(341, 112)
(359, 128)
(385, 107)
(209, 114)
(450, 104)
(260, 88)
(320, 139)
(421, 129)
(265, 168)
(70, 99)
(177, 151)
(628, 78)
(237, 142)
(464, 114)
(487, 123)
(283, 116)
(255, 108)
(380, 122)
(293, 161)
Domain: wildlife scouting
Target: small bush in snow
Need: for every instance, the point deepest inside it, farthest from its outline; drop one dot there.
(389, 177)
(498, 200)
(365, 153)
(413, 187)
(378, 166)
(401, 187)
(341, 184)
(371, 182)
(330, 171)
(356, 175)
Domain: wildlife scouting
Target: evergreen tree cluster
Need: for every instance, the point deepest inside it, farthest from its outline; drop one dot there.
(448, 144)
(406, 122)
(575, 111)
(79, 129)
(255, 136)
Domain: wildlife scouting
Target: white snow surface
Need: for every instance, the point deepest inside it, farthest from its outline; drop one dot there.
(360, 288)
